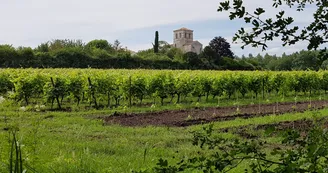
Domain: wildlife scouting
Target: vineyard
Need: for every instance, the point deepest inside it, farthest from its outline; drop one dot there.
(109, 88)
(71, 120)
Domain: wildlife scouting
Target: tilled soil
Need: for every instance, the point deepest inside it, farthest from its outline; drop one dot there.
(182, 118)
(303, 126)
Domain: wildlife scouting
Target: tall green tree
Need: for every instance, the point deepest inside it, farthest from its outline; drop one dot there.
(305, 60)
(117, 45)
(209, 54)
(43, 47)
(221, 48)
(174, 52)
(281, 27)
(192, 60)
(163, 47)
(156, 44)
(26, 56)
(285, 62)
(100, 44)
(58, 44)
(8, 56)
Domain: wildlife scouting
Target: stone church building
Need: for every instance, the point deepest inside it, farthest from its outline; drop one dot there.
(184, 40)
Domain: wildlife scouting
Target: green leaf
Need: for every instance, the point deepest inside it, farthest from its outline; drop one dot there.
(256, 23)
(259, 11)
(247, 19)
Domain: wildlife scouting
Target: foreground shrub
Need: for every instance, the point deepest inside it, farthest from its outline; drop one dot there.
(297, 154)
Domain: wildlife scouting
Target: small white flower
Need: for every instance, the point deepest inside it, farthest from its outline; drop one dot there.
(2, 99)
(23, 109)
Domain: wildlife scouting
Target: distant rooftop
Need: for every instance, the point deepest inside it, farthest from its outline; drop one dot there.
(183, 29)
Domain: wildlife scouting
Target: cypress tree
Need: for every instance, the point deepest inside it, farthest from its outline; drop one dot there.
(156, 44)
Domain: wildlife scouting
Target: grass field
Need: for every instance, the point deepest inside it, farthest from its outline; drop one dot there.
(78, 141)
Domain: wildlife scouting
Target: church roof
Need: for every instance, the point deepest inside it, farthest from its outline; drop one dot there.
(193, 43)
(197, 42)
(183, 29)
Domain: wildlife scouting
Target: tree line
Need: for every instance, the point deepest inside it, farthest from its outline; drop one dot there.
(102, 54)
(76, 54)
(302, 60)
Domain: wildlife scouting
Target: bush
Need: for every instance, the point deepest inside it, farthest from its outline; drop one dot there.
(71, 57)
(8, 56)
(298, 154)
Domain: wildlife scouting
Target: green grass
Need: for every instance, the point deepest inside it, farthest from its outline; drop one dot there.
(78, 142)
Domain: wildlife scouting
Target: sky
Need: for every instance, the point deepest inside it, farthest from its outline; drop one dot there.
(132, 22)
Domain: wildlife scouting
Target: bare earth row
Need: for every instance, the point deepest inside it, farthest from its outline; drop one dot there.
(182, 118)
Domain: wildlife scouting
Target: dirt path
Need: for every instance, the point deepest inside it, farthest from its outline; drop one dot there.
(181, 118)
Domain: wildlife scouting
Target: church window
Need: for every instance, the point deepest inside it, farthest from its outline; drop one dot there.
(185, 35)
(176, 36)
(189, 35)
(180, 35)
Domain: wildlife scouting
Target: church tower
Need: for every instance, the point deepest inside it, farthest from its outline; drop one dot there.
(183, 37)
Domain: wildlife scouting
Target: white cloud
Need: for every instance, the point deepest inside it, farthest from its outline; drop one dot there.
(31, 22)
(44, 19)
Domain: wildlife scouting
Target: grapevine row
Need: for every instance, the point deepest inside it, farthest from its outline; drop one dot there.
(109, 87)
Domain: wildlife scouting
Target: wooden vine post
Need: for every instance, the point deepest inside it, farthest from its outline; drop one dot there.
(55, 93)
(92, 92)
(130, 92)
